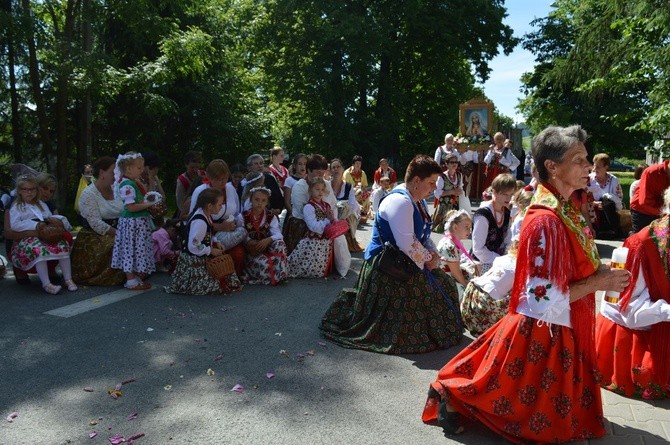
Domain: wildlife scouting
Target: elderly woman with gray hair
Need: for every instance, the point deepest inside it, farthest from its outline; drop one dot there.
(632, 333)
(531, 377)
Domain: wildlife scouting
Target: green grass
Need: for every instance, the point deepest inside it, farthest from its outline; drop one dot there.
(625, 179)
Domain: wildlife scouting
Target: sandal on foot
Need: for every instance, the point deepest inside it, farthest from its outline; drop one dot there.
(51, 289)
(142, 285)
(70, 285)
(448, 420)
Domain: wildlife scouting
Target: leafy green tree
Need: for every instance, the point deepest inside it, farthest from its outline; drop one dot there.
(583, 59)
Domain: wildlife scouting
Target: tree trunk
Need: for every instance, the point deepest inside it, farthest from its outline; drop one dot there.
(17, 133)
(62, 80)
(85, 143)
(33, 69)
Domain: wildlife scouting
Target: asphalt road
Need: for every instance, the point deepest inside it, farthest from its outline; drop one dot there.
(181, 356)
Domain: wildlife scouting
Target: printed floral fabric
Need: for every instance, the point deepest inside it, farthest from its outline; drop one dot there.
(31, 250)
(572, 218)
(524, 382)
(627, 363)
(91, 260)
(190, 277)
(312, 258)
(660, 233)
(382, 314)
(479, 310)
(133, 247)
(270, 267)
(446, 203)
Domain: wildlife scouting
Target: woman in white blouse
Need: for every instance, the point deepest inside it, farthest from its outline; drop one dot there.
(92, 250)
(226, 222)
(607, 196)
(347, 205)
(387, 315)
(633, 332)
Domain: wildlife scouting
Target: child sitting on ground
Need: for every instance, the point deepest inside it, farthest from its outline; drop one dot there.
(266, 261)
(166, 245)
(455, 258)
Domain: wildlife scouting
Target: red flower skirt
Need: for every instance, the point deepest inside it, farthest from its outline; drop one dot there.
(525, 382)
(626, 363)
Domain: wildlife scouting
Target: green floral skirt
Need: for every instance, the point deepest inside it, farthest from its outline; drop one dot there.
(382, 314)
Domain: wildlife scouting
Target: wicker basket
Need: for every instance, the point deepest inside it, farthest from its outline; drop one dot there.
(220, 266)
(51, 231)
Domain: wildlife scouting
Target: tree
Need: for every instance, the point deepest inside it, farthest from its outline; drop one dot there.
(588, 72)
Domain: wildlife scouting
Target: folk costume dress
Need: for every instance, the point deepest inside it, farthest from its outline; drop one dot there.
(133, 248)
(486, 298)
(499, 162)
(231, 210)
(531, 377)
(28, 251)
(349, 210)
(360, 182)
(280, 174)
(452, 251)
(382, 314)
(445, 203)
(190, 277)
(271, 266)
(490, 238)
(632, 336)
(92, 250)
(313, 256)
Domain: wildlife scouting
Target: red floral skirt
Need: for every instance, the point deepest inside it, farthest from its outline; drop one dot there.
(626, 363)
(525, 382)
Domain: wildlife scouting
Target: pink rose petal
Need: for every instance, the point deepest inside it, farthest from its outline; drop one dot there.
(118, 386)
(116, 439)
(218, 357)
(133, 416)
(136, 436)
(92, 434)
(12, 416)
(238, 389)
(269, 375)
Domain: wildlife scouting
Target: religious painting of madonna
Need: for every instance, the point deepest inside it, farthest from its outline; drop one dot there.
(476, 118)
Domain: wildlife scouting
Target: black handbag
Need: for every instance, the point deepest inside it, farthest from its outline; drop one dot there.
(393, 261)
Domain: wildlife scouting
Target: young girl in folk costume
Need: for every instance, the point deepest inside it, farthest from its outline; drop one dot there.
(166, 245)
(313, 254)
(449, 188)
(190, 277)
(251, 181)
(455, 258)
(133, 247)
(226, 225)
(26, 214)
(491, 235)
(266, 252)
(499, 159)
(276, 168)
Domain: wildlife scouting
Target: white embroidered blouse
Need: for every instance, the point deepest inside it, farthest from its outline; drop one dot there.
(95, 208)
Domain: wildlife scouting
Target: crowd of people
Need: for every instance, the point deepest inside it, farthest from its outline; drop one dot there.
(526, 289)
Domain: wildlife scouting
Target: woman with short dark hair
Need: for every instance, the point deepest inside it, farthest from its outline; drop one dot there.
(389, 315)
(92, 250)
